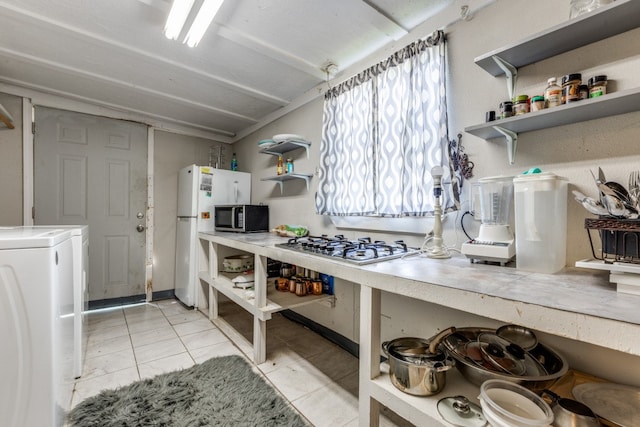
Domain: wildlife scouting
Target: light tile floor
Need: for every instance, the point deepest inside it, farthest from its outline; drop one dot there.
(130, 343)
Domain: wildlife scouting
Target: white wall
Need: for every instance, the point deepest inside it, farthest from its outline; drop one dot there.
(568, 151)
(11, 164)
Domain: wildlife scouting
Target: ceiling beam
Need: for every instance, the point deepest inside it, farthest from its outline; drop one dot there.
(121, 83)
(270, 51)
(383, 21)
(75, 31)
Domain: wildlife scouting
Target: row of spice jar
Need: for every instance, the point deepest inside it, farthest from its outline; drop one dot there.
(572, 90)
(299, 285)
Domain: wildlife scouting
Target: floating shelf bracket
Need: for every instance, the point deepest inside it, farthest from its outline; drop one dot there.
(512, 142)
(510, 72)
(285, 147)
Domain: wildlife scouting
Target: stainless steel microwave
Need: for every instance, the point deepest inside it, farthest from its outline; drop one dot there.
(242, 218)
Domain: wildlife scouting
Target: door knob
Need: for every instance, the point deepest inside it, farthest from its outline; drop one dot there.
(139, 215)
(140, 228)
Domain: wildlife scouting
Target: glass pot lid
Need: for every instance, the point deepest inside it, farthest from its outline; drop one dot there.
(459, 411)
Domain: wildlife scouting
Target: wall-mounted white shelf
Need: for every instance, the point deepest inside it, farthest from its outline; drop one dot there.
(613, 19)
(5, 118)
(604, 106)
(608, 21)
(286, 146)
(288, 177)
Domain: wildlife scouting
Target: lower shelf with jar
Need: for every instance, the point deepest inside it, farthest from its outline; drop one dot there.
(261, 301)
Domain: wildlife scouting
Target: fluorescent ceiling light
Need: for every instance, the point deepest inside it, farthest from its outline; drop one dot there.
(178, 14)
(200, 24)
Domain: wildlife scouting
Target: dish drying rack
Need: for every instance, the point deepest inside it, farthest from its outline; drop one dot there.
(619, 253)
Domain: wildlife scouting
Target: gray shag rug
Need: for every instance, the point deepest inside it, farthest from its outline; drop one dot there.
(222, 391)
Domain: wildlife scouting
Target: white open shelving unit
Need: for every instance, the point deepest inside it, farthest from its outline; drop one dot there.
(576, 304)
(284, 147)
(613, 19)
(261, 301)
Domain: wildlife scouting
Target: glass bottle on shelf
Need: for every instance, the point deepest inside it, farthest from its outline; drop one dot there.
(289, 166)
(280, 167)
(234, 163)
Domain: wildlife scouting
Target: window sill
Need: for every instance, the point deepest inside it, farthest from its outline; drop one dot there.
(411, 225)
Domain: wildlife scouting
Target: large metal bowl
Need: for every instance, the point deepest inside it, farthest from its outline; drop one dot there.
(554, 363)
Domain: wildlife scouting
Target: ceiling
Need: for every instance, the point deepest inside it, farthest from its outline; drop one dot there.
(256, 61)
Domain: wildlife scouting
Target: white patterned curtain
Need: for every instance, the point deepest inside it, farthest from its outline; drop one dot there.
(383, 131)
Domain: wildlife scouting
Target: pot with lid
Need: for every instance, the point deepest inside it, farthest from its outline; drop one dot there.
(417, 366)
(542, 365)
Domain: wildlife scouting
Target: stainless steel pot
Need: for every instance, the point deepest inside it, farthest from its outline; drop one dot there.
(570, 413)
(414, 369)
(554, 363)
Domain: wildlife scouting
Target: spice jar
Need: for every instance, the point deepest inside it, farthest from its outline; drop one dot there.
(521, 105)
(537, 103)
(552, 94)
(597, 86)
(506, 109)
(571, 88)
(584, 92)
(289, 166)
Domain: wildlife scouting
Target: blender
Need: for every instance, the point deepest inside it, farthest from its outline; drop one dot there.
(495, 241)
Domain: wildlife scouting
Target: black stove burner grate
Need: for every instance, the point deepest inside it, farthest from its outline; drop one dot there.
(360, 251)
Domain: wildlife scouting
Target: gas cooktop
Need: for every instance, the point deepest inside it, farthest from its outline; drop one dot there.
(360, 251)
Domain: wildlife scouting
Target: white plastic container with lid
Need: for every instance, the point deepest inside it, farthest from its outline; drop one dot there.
(541, 222)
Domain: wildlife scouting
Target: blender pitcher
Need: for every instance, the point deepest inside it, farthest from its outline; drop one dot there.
(495, 239)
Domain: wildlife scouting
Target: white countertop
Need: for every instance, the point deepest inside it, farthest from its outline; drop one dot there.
(576, 303)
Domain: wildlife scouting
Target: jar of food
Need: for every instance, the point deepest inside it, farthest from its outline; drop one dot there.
(289, 166)
(571, 88)
(506, 109)
(537, 103)
(597, 86)
(521, 105)
(552, 94)
(584, 92)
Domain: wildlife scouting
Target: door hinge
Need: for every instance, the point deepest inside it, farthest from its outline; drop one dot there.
(33, 128)
(33, 213)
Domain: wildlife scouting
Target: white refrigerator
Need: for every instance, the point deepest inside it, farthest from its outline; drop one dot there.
(200, 188)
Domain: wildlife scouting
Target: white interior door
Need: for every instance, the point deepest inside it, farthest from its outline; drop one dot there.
(91, 170)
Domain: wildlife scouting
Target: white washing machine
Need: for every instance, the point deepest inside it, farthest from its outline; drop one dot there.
(80, 244)
(36, 325)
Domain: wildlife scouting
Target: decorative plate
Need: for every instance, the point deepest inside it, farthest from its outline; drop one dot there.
(287, 137)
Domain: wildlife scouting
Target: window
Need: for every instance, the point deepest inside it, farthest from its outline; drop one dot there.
(383, 132)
